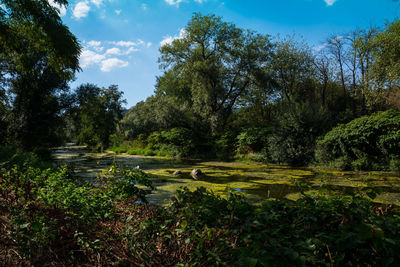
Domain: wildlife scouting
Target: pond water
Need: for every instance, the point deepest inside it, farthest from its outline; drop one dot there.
(255, 181)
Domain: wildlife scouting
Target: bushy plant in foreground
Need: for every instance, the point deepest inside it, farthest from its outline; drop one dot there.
(56, 219)
(369, 142)
(53, 216)
(201, 228)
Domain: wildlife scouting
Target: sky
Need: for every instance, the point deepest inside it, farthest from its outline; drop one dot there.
(121, 38)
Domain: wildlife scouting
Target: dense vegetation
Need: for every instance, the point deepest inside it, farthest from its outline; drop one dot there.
(369, 142)
(269, 99)
(54, 218)
(225, 92)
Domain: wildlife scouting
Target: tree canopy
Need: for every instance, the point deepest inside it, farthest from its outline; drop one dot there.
(211, 66)
(38, 56)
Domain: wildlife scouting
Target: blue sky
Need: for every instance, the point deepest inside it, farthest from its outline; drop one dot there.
(121, 38)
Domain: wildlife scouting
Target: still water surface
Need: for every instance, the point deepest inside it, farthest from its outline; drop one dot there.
(255, 181)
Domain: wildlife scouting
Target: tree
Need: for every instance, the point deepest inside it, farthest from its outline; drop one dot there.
(38, 55)
(214, 63)
(292, 70)
(96, 113)
(157, 113)
(386, 51)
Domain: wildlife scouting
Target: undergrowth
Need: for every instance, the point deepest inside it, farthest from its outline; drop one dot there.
(49, 217)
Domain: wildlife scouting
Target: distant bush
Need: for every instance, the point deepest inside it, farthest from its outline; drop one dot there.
(252, 140)
(294, 138)
(367, 143)
(224, 146)
(174, 142)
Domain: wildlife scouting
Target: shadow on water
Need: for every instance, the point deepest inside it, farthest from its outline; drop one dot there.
(255, 181)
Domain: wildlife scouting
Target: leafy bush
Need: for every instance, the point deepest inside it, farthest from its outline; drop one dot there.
(369, 142)
(225, 146)
(252, 140)
(53, 216)
(174, 142)
(293, 141)
(178, 141)
(10, 156)
(201, 228)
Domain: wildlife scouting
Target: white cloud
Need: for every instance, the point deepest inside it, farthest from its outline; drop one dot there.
(94, 43)
(320, 47)
(89, 58)
(330, 2)
(130, 50)
(62, 10)
(96, 2)
(177, 2)
(112, 57)
(128, 43)
(112, 63)
(81, 10)
(144, 7)
(113, 51)
(124, 43)
(173, 2)
(118, 11)
(170, 39)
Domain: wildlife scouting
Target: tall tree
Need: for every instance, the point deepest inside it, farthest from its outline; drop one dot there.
(215, 63)
(38, 55)
(96, 113)
(292, 69)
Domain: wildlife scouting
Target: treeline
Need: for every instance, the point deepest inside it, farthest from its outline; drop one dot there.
(228, 92)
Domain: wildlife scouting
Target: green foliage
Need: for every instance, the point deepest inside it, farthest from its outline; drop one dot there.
(178, 141)
(210, 68)
(386, 68)
(53, 214)
(252, 140)
(225, 146)
(202, 228)
(96, 114)
(298, 126)
(10, 156)
(155, 114)
(122, 183)
(369, 142)
(39, 55)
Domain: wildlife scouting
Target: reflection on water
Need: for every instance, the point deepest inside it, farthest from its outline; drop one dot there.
(255, 181)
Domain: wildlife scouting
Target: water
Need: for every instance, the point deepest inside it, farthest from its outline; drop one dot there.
(255, 181)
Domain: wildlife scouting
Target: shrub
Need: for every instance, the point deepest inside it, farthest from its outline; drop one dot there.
(252, 140)
(53, 217)
(200, 228)
(293, 140)
(369, 142)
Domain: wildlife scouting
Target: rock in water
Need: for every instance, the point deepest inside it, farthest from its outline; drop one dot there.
(196, 173)
(177, 172)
